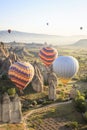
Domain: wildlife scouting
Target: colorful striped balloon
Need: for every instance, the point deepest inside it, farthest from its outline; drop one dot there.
(48, 55)
(21, 74)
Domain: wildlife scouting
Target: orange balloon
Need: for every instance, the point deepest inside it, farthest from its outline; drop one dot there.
(48, 55)
(21, 74)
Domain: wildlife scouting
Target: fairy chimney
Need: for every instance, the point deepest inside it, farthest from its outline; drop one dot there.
(37, 82)
(10, 109)
(6, 113)
(52, 76)
(52, 81)
(8, 57)
(16, 114)
(52, 91)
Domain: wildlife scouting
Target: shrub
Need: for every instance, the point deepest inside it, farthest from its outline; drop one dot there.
(4, 77)
(3, 89)
(60, 85)
(34, 103)
(40, 101)
(47, 102)
(62, 95)
(46, 83)
(72, 125)
(85, 93)
(80, 99)
(75, 78)
(84, 79)
(78, 93)
(85, 116)
(80, 102)
(81, 107)
(11, 91)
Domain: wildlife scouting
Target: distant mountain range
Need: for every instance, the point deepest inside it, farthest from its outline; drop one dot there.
(24, 37)
(80, 43)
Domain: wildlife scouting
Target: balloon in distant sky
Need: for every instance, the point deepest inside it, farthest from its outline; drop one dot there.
(47, 24)
(9, 30)
(21, 74)
(65, 67)
(81, 28)
(48, 55)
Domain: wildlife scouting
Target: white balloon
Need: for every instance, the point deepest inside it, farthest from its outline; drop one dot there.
(65, 66)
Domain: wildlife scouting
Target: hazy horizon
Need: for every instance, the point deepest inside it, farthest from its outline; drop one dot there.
(42, 33)
(64, 17)
(26, 37)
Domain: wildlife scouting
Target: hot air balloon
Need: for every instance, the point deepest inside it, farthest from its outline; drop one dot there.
(81, 28)
(48, 55)
(47, 24)
(21, 74)
(9, 30)
(65, 67)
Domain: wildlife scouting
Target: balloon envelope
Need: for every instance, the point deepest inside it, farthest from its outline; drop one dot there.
(21, 74)
(9, 30)
(81, 28)
(47, 23)
(48, 55)
(65, 67)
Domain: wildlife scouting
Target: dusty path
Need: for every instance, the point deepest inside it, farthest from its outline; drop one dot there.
(42, 109)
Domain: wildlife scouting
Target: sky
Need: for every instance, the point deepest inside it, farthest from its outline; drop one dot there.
(64, 17)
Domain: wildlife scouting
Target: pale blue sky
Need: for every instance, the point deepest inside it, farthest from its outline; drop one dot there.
(64, 16)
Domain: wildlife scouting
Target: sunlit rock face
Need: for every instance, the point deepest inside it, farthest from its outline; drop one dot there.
(10, 109)
(37, 82)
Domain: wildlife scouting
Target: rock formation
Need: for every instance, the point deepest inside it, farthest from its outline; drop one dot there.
(52, 76)
(3, 50)
(45, 70)
(52, 80)
(8, 57)
(10, 110)
(6, 110)
(16, 114)
(52, 91)
(37, 82)
(73, 93)
(5, 66)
